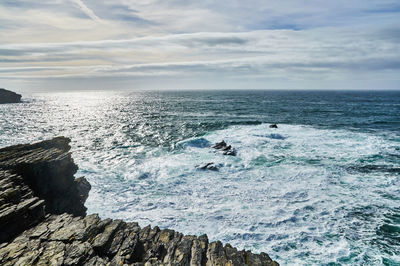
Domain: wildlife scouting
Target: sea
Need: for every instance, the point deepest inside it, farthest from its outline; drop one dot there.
(321, 189)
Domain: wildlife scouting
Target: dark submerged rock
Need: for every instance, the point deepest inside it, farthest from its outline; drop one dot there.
(7, 96)
(276, 136)
(43, 220)
(231, 152)
(208, 166)
(273, 126)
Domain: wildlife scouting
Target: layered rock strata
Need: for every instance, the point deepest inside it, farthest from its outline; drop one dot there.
(36, 180)
(43, 220)
(7, 96)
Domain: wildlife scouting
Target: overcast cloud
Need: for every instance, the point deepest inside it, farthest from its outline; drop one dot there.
(88, 44)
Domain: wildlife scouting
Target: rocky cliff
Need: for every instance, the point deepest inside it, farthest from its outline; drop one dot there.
(7, 96)
(43, 220)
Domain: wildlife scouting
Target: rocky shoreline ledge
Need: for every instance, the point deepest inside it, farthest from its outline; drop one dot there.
(43, 220)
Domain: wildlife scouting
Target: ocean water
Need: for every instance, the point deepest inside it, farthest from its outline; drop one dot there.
(323, 188)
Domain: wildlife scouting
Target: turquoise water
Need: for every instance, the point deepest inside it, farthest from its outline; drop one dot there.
(323, 188)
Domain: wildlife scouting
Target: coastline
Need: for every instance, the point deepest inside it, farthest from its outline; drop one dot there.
(42, 207)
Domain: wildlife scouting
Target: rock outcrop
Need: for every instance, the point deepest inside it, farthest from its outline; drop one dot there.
(208, 166)
(36, 180)
(43, 220)
(225, 148)
(7, 96)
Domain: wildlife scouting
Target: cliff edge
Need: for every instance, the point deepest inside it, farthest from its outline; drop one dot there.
(43, 220)
(7, 96)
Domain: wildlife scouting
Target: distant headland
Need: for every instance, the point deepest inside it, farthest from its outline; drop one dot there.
(7, 96)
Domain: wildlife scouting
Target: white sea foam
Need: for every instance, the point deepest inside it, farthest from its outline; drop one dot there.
(293, 192)
(303, 194)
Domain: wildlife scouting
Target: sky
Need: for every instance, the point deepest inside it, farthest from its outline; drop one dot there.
(157, 45)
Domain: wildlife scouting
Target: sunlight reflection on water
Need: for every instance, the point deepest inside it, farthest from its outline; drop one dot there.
(304, 193)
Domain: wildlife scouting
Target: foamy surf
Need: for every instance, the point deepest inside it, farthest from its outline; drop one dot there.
(296, 192)
(322, 188)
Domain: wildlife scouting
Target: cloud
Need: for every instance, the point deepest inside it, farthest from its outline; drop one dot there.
(87, 10)
(200, 40)
(283, 54)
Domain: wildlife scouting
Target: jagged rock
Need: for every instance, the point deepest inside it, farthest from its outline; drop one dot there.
(216, 254)
(49, 238)
(19, 208)
(208, 166)
(199, 248)
(219, 145)
(225, 148)
(48, 170)
(231, 152)
(273, 126)
(7, 96)
(120, 243)
(83, 187)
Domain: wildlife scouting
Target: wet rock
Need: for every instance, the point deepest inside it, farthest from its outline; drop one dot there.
(7, 96)
(46, 237)
(208, 166)
(273, 126)
(231, 152)
(219, 145)
(225, 148)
